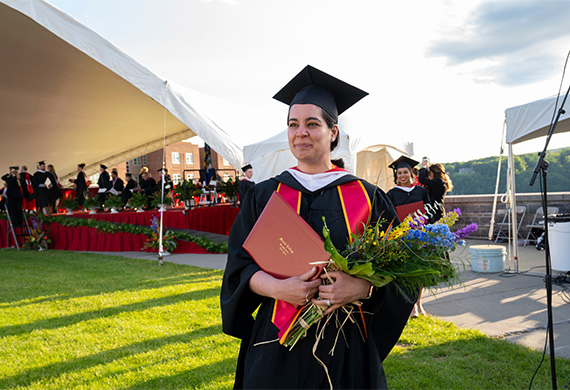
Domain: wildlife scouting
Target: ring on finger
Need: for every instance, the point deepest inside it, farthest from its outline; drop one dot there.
(328, 302)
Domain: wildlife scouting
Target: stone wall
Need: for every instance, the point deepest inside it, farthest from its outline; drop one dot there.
(478, 208)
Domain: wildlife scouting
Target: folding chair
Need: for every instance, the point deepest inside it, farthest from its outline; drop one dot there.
(505, 224)
(535, 224)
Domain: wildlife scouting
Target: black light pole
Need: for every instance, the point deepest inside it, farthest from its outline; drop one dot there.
(542, 167)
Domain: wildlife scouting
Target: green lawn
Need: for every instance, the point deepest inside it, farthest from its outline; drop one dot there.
(88, 321)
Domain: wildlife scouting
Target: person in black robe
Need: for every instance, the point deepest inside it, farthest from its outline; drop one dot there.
(104, 183)
(117, 184)
(168, 184)
(127, 192)
(246, 183)
(14, 196)
(406, 192)
(54, 192)
(357, 361)
(438, 183)
(27, 184)
(81, 188)
(40, 183)
(148, 185)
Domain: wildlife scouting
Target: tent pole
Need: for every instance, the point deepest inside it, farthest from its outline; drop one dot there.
(513, 202)
(492, 225)
(160, 210)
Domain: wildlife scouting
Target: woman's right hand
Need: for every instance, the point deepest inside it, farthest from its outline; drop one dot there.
(297, 290)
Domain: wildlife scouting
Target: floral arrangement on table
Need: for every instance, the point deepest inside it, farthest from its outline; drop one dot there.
(413, 254)
(113, 202)
(90, 203)
(38, 239)
(158, 202)
(69, 203)
(169, 243)
(138, 201)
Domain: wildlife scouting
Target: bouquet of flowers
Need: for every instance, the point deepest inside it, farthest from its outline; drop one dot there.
(412, 255)
(168, 241)
(38, 238)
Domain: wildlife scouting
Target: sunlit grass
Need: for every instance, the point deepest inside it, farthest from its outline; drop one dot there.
(88, 321)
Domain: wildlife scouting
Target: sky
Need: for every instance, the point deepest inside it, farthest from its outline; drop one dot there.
(440, 73)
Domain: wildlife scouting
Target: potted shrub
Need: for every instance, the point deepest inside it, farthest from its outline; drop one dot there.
(113, 202)
(90, 204)
(138, 201)
(230, 189)
(158, 203)
(186, 192)
(69, 203)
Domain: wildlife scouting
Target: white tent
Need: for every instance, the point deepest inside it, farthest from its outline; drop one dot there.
(524, 123)
(272, 156)
(372, 164)
(69, 96)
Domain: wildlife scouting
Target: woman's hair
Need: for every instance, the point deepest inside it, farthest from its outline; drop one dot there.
(439, 173)
(51, 168)
(330, 122)
(144, 169)
(395, 171)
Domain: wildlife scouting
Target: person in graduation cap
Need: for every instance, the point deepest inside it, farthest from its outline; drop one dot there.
(41, 185)
(168, 183)
(246, 183)
(104, 184)
(81, 188)
(407, 192)
(314, 186)
(14, 196)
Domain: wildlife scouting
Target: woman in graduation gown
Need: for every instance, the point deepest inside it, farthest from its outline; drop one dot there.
(316, 99)
(406, 192)
(40, 188)
(81, 188)
(438, 183)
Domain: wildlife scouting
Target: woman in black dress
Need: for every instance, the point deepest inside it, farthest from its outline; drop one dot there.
(80, 182)
(438, 184)
(315, 99)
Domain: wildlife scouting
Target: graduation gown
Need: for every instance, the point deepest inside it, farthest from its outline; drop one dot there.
(243, 187)
(104, 182)
(80, 188)
(356, 363)
(40, 190)
(27, 186)
(400, 197)
(54, 192)
(436, 190)
(14, 199)
(127, 192)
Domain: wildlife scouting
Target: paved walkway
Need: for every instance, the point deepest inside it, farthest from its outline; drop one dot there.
(506, 305)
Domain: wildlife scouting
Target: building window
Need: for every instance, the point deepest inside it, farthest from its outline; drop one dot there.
(144, 160)
(176, 178)
(189, 177)
(190, 158)
(128, 164)
(137, 161)
(175, 158)
(225, 162)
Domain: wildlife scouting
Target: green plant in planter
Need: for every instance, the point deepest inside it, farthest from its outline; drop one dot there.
(69, 203)
(113, 202)
(138, 200)
(230, 189)
(156, 200)
(186, 191)
(90, 203)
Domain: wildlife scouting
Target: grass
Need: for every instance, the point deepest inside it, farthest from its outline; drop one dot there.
(87, 321)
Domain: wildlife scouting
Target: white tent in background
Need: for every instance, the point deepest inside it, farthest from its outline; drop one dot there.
(272, 156)
(69, 96)
(372, 164)
(524, 123)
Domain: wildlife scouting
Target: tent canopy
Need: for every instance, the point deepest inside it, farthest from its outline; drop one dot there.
(372, 164)
(533, 119)
(69, 96)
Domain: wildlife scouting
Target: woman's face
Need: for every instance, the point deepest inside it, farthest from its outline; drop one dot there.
(404, 177)
(309, 136)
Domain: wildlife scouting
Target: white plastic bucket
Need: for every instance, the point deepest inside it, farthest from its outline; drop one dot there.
(487, 258)
(559, 242)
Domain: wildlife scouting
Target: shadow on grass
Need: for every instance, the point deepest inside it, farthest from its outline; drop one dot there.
(45, 373)
(63, 321)
(191, 379)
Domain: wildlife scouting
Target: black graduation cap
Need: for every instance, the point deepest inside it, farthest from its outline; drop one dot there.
(82, 165)
(41, 163)
(246, 167)
(15, 168)
(403, 162)
(312, 86)
(103, 166)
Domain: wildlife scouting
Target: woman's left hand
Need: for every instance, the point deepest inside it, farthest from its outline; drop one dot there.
(345, 289)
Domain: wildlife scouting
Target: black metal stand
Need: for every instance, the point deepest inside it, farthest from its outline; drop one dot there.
(542, 167)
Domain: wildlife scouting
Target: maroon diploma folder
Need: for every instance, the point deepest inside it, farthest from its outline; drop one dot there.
(282, 243)
(406, 209)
